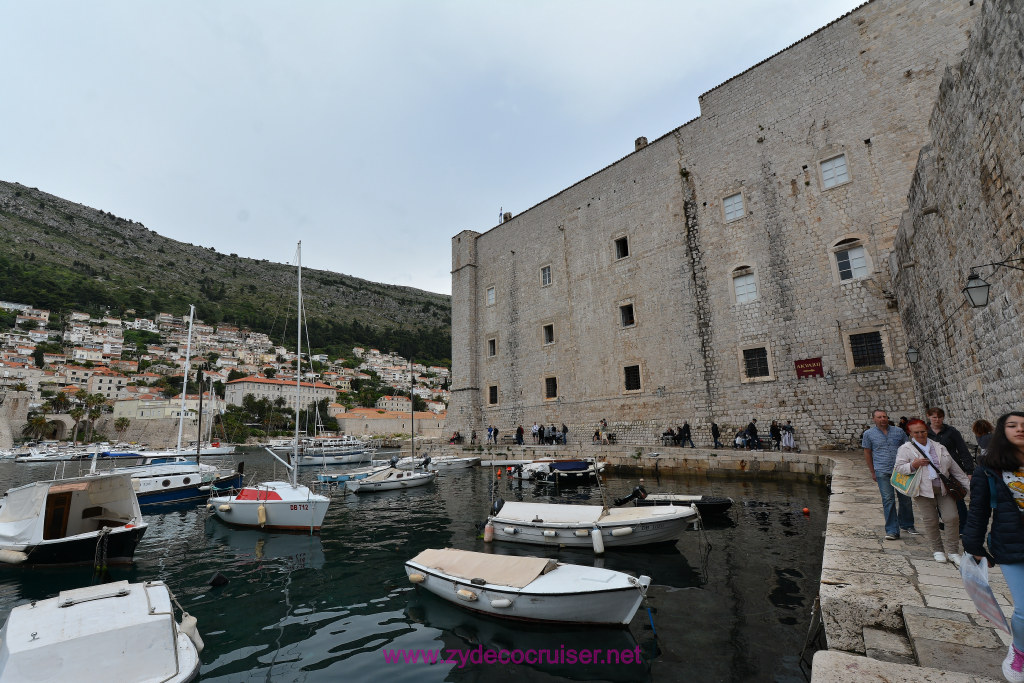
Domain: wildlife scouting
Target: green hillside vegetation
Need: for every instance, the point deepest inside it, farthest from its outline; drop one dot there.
(63, 256)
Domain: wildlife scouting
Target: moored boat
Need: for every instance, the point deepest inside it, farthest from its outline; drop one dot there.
(528, 588)
(706, 505)
(110, 632)
(390, 479)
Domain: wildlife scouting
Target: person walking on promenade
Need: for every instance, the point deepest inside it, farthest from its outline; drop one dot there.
(753, 440)
(983, 434)
(880, 444)
(685, 434)
(535, 429)
(776, 435)
(951, 438)
(495, 435)
(519, 435)
(472, 438)
(565, 434)
(788, 441)
(933, 499)
(997, 491)
(903, 423)
(490, 433)
(715, 433)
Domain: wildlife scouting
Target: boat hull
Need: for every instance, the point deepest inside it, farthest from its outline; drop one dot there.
(284, 508)
(614, 607)
(620, 532)
(707, 505)
(81, 549)
(369, 486)
(186, 493)
(333, 459)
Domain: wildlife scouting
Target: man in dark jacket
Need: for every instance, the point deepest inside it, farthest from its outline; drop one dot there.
(949, 437)
(753, 441)
(686, 435)
(715, 433)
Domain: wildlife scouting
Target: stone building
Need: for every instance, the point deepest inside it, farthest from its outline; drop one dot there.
(965, 210)
(734, 268)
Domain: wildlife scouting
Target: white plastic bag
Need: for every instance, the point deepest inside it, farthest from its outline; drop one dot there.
(975, 576)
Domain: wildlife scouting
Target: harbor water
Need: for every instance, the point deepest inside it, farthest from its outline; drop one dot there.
(731, 603)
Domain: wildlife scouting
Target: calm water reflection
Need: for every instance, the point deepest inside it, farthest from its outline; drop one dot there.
(731, 604)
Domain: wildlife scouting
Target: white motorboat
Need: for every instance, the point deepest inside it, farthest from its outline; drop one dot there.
(111, 632)
(162, 480)
(282, 505)
(588, 525)
(70, 521)
(530, 588)
(345, 475)
(390, 479)
(559, 472)
(49, 455)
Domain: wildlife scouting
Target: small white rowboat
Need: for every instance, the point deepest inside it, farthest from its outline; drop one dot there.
(529, 588)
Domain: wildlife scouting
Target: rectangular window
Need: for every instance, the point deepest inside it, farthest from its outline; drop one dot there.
(492, 394)
(852, 263)
(733, 207)
(492, 347)
(550, 387)
(545, 276)
(490, 296)
(755, 362)
(549, 334)
(745, 287)
(632, 376)
(833, 171)
(626, 315)
(622, 247)
(867, 350)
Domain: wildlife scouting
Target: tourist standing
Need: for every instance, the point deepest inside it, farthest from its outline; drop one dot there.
(932, 459)
(880, 444)
(472, 438)
(519, 435)
(951, 438)
(686, 435)
(983, 433)
(490, 434)
(753, 440)
(715, 433)
(535, 429)
(788, 441)
(776, 435)
(1001, 468)
(565, 434)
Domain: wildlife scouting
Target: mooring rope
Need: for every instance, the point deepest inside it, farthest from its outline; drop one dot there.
(100, 558)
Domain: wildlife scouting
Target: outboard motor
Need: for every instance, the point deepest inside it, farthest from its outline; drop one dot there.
(497, 505)
(394, 460)
(639, 493)
(426, 461)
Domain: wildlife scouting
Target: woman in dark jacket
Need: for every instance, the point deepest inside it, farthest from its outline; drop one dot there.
(997, 491)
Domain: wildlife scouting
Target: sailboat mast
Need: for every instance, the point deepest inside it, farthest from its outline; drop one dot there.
(199, 427)
(412, 416)
(184, 383)
(298, 366)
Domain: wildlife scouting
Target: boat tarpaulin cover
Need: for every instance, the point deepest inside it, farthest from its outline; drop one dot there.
(570, 466)
(553, 513)
(500, 570)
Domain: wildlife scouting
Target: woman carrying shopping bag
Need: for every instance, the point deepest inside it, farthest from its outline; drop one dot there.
(938, 472)
(997, 491)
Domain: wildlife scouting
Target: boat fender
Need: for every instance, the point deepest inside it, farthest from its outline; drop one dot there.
(549, 533)
(501, 602)
(467, 595)
(582, 532)
(416, 578)
(595, 538)
(225, 508)
(189, 628)
(622, 531)
(261, 514)
(12, 556)
(488, 532)
(511, 530)
(497, 505)
(209, 507)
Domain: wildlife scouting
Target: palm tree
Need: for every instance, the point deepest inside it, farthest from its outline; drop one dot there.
(76, 413)
(94, 406)
(121, 425)
(36, 427)
(61, 403)
(21, 386)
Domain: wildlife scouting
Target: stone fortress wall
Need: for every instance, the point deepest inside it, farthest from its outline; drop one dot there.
(965, 209)
(861, 88)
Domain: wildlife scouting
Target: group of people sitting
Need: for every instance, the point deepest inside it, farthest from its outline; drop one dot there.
(781, 437)
(680, 436)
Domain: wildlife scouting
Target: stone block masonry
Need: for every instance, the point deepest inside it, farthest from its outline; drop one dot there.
(685, 281)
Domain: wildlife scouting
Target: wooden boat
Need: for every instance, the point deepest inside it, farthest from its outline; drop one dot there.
(706, 505)
(111, 632)
(528, 588)
(390, 479)
(557, 524)
(67, 521)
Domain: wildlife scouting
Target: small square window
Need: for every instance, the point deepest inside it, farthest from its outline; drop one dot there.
(745, 287)
(852, 263)
(755, 362)
(626, 315)
(621, 247)
(492, 347)
(833, 171)
(550, 387)
(867, 350)
(632, 376)
(545, 276)
(733, 207)
(549, 334)
(490, 296)
(492, 394)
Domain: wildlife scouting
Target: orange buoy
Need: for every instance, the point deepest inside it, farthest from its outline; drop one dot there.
(807, 511)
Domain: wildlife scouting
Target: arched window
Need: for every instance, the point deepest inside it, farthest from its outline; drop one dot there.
(744, 284)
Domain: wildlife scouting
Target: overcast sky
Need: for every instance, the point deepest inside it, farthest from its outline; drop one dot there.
(373, 131)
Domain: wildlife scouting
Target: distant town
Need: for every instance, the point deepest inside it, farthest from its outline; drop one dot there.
(136, 365)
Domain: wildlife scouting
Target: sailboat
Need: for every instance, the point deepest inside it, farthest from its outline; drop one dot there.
(280, 505)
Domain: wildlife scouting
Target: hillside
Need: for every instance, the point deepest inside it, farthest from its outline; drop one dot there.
(59, 255)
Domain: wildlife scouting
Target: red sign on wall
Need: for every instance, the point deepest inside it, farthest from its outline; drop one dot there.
(809, 367)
